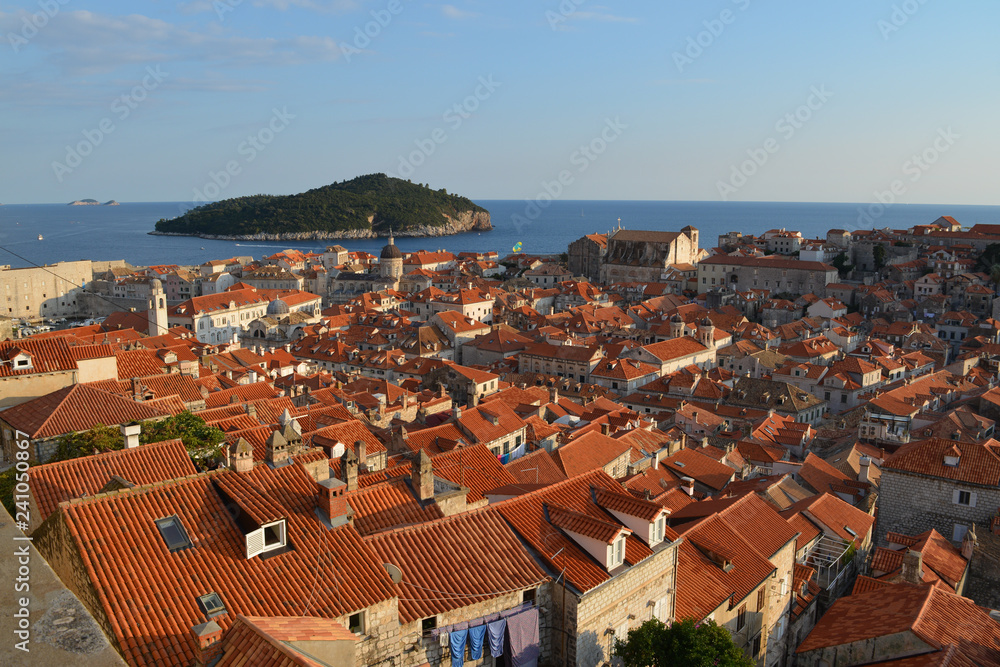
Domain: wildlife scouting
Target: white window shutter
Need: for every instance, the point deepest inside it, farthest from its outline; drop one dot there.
(255, 543)
(954, 497)
(972, 499)
(657, 610)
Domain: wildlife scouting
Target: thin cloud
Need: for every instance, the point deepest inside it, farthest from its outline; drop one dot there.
(453, 12)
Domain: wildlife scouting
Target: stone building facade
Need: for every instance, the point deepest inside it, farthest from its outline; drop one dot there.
(777, 275)
(44, 292)
(641, 256)
(919, 490)
(585, 255)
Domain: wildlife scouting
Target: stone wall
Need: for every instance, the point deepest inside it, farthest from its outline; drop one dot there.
(912, 504)
(983, 581)
(901, 644)
(44, 292)
(628, 597)
(380, 643)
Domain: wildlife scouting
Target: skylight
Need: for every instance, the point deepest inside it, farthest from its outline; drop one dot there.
(173, 533)
(211, 604)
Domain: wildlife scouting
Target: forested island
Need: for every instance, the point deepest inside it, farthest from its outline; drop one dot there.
(363, 207)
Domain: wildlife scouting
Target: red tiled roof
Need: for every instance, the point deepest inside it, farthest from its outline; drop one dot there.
(538, 467)
(149, 594)
(979, 463)
(934, 615)
(455, 562)
(589, 452)
(388, 505)
(53, 483)
(137, 363)
(692, 463)
(76, 408)
(243, 392)
(475, 468)
(271, 641)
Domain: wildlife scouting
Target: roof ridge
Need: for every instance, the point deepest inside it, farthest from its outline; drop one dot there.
(144, 488)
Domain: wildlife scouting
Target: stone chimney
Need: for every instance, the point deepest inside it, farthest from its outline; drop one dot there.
(422, 476)
(251, 410)
(865, 468)
(554, 395)
(277, 449)
(605, 428)
(130, 433)
(361, 449)
(241, 456)
(458, 412)
(349, 468)
(687, 485)
(913, 567)
(136, 390)
(208, 635)
(331, 503)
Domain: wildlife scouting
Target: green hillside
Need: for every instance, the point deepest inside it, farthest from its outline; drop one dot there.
(340, 207)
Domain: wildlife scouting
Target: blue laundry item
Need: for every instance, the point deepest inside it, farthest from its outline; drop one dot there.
(477, 637)
(457, 640)
(497, 630)
(522, 638)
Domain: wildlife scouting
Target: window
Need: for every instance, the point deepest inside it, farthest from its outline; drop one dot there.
(761, 597)
(657, 530)
(356, 623)
(617, 552)
(173, 533)
(211, 605)
(428, 624)
(528, 596)
(967, 498)
(756, 644)
(741, 618)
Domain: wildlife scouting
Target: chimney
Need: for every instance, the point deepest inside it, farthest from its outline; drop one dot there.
(458, 412)
(422, 476)
(865, 465)
(605, 428)
(554, 394)
(208, 635)
(913, 567)
(969, 543)
(251, 410)
(687, 485)
(276, 449)
(130, 432)
(241, 456)
(331, 503)
(136, 391)
(349, 468)
(362, 451)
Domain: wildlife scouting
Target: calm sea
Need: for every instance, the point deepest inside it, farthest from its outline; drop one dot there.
(120, 232)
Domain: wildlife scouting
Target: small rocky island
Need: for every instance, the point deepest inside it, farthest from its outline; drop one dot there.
(363, 207)
(92, 202)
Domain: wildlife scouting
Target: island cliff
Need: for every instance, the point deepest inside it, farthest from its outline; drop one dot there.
(364, 207)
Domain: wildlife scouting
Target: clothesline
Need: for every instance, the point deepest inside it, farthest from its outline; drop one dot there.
(465, 625)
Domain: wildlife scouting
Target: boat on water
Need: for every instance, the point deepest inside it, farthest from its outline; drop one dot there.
(39, 237)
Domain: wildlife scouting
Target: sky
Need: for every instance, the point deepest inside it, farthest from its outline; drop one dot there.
(735, 100)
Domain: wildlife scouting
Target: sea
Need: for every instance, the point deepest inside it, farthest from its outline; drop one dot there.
(121, 232)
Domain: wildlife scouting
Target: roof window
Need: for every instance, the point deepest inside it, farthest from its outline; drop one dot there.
(211, 605)
(173, 533)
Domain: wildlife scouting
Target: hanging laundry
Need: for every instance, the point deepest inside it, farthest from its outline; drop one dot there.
(497, 630)
(477, 637)
(522, 638)
(457, 641)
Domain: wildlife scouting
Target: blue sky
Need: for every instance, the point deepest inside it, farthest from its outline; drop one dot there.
(150, 100)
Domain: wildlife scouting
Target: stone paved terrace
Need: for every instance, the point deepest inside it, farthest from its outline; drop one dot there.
(62, 631)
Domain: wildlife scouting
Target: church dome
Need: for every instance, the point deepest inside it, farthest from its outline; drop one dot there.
(676, 318)
(706, 322)
(391, 251)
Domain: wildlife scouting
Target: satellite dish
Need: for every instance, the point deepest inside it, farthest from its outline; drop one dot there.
(394, 572)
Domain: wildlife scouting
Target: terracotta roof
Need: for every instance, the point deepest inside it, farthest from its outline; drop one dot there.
(270, 641)
(584, 524)
(389, 505)
(243, 393)
(979, 463)
(934, 615)
(492, 563)
(588, 452)
(53, 483)
(475, 468)
(76, 408)
(701, 468)
(538, 467)
(526, 514)
(47, 356)
(150, 594)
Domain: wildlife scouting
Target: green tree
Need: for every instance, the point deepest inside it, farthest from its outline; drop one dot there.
(990, 257)
(881, 256)
(688, 642)
(840, 262)
(202, 441)
(995, 277)
(97, 440)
